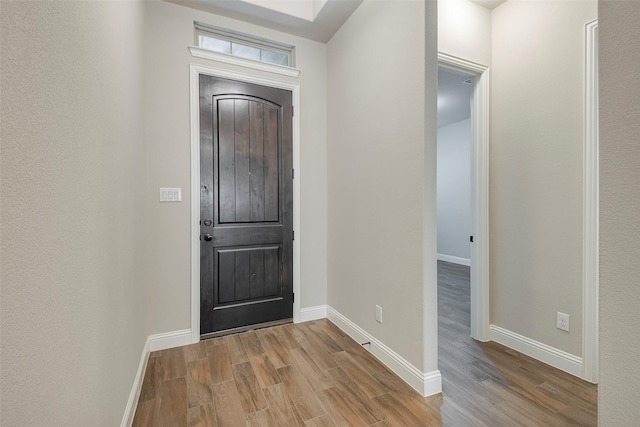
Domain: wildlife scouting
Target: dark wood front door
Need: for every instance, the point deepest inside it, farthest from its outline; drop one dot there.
(246, 205)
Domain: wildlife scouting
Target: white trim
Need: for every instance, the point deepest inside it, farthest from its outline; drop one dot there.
(590, 231)
(194, 113)
(458, 64)
(153, 343)
(426, 384)
(454, 259)
(550, 355)
(199, 52)
(479, 191)
(313, 313)
(136, 388)
(195, 71)
(169, 340)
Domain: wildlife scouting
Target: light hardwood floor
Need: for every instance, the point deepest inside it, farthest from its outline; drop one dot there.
(312, 374)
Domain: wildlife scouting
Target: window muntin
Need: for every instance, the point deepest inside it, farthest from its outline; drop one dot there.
(243, 45)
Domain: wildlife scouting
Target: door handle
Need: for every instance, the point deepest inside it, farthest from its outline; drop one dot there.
(208, 237)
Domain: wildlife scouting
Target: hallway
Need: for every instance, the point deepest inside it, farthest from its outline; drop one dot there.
(489, 384)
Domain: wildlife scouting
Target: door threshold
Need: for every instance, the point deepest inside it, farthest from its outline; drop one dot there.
(245, 328)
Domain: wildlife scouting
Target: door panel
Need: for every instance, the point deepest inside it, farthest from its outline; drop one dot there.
(246, 274)
(247, 159)
(246, 204)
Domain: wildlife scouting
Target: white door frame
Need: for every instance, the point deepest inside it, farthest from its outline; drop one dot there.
(590, 231)
(479, 191)
(195, 71)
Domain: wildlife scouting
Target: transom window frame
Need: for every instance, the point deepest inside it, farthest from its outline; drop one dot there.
(231, 36)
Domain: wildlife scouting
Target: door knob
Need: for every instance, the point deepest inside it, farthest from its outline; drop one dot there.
(208, 237)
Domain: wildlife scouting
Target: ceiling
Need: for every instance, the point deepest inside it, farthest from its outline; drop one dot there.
(454, 97)
(489, 4)
(323, 20)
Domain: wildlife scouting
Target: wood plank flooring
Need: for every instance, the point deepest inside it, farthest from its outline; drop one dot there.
(313, 375)
(489, 384)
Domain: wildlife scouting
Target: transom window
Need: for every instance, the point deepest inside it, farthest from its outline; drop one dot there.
(244, 45)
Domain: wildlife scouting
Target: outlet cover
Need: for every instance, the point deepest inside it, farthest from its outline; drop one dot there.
(378, 314)
(563, 322)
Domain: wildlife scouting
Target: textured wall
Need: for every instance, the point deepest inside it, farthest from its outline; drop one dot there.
(376, 149)
(454, 189)
(169, 31)
(619, 390)
(73, 171)
(536, 168)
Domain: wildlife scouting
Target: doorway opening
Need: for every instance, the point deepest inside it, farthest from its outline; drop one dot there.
(463, 233)
(453, 209)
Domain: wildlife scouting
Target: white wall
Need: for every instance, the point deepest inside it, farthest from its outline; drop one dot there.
(377, 176)
(169, 31)
(464, 30)
(454, 189)
(536, 168)
(73, 301)
(619, 388)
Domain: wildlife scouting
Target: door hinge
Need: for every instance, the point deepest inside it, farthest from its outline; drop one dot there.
(471, 239)
(293, 173)
(293, 109)
(293, 297)
(293, 234)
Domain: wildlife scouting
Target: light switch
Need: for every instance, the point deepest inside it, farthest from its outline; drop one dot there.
(170, 194)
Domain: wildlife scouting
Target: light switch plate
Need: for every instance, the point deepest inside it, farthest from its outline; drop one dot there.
(170, 194)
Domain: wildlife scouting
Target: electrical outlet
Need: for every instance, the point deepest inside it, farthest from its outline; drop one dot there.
(563, 322)
(378, 314)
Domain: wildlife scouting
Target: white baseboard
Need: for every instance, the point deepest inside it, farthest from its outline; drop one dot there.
(134, 395)
(153, 343)
(170, 340)
(454, 259)
(313, 313)
(424, 383)
(551, 356)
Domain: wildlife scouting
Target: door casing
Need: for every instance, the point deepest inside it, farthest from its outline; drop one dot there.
(591, 213)
(195, 71)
